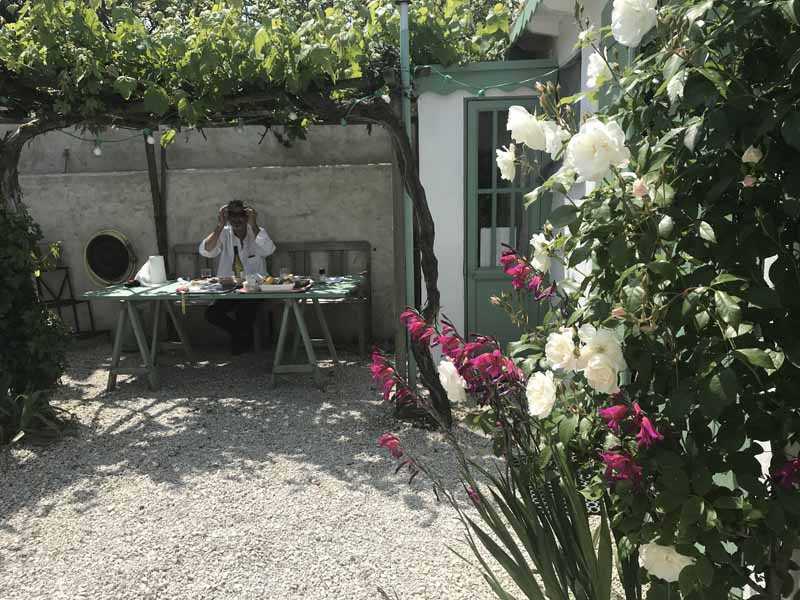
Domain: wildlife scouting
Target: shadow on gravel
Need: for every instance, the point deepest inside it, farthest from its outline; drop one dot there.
(220, 414)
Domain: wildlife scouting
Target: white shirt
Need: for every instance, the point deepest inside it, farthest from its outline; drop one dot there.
(252, 252)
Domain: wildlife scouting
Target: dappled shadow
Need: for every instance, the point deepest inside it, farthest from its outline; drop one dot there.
(219, 415)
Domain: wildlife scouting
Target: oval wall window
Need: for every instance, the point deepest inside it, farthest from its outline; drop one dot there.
(109, 257)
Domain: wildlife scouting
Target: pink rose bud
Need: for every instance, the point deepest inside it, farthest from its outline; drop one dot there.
(640, 188)
(618, 313)
(494, 300)
(748, 181)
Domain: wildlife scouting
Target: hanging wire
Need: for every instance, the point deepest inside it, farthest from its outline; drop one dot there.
(98, 139)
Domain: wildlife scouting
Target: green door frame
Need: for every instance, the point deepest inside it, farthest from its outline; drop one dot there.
(485, 276)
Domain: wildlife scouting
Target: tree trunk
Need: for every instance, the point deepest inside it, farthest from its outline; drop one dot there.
(159, 202)
(378, 112)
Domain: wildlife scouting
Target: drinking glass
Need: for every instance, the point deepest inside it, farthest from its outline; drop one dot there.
(205, 273)
(283, 273)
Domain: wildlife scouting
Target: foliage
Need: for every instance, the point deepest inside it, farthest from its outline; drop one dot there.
(199, 63)
(34, 340)
(688, 252)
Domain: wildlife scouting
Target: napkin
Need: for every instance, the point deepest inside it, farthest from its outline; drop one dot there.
(152, 272)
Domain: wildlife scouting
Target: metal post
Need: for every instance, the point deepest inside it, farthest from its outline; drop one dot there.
(408, 209)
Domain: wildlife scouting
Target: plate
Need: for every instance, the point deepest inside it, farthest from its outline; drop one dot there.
(277, 287)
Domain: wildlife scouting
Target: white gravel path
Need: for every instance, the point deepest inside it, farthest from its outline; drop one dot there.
(217, 487)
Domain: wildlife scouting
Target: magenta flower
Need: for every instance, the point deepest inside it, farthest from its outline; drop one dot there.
(621, 467)
(508, 257)
(473, 495)
(788, 475)
(417, 327)
(613, 415)
(392, 443)
(648, 434)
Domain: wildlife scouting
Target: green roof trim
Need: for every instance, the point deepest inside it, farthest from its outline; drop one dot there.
(521, 22)
(472, 78)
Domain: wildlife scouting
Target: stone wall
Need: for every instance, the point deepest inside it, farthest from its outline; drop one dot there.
(336, 185)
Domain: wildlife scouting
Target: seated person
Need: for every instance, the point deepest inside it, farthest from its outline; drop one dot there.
(240, 244)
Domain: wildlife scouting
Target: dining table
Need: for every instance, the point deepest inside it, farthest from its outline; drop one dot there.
(171, 296)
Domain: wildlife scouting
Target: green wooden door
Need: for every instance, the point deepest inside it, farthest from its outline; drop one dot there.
(495, 214)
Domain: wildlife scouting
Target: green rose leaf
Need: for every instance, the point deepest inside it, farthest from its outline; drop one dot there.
(790, 130)
(664, 269)
(728, 308)
(755, 357)
(722, 389)
(260, 41)
(707, 232)
(563, 215)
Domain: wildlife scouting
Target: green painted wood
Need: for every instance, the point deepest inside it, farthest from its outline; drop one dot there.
(483, 281)
(508, 75)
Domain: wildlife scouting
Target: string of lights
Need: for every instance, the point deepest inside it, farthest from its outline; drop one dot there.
(98, 141)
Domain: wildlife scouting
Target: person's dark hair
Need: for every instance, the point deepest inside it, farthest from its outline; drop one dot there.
(236, 205)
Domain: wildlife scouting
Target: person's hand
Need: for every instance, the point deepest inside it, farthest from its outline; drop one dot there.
(223, 216)
(251, 216)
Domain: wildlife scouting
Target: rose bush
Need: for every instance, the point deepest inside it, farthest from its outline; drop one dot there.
(668, 354)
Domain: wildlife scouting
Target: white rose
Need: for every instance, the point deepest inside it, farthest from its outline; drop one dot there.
(555, 137)
(587, 36)
(640, 188)
(452, 382)
(541, 394)
(526, 128)
(597, 72)
(601, 373)
(506, 162)
(691, 136)
(675, 87)
(752, 155)
(663, 562)
(600, 341)
(596, 148)
(541, 257)
(631, 20)
(560, 350)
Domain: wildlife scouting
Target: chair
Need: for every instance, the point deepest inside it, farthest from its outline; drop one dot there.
(187, 262)
(54, 290)
(338, 258)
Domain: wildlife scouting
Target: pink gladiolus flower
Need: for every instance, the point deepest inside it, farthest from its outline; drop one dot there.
(748, 181)
(473, 495)
(508, 257)
(648, 434)
(417, 327)
(547, 293)
(391, 443)
(621, 467)
(788, 475)
(613, 415)
(534, 283)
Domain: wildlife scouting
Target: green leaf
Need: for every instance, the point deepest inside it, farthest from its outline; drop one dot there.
(724, 278)
(662, 268)
(755, 357)
(260, 40)
(168, 137)
(717, 79)
(156, 100)
(567, 427)
(790, 130)
(707, 232)
(563, 216)
(728, 308)
(125, 86)
(722, 388)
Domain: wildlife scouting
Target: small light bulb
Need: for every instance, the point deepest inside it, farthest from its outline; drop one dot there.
(97, 150)
(293, 116)
(151, 140)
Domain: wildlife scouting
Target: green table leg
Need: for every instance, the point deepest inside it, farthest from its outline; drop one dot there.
(181, 331)
(301, 325)
(276, 363)
(141, 340)
(327, 333)
(154, 337)
(119, 332)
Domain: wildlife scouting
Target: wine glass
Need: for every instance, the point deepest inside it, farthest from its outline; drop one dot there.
(205, 273)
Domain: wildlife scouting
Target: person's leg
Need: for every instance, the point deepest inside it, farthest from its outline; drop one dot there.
(245, 311)
(218, 314)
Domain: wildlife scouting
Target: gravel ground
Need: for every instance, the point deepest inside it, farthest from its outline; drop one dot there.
(217, 487)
